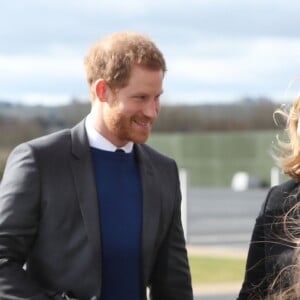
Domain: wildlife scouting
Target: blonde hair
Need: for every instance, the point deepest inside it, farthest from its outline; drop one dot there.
(286, 285)
(112, 59)
(288, 151)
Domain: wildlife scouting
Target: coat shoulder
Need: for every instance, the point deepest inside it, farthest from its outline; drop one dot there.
(61, 138)
(282, 197)
(156, 155)
(49, 139)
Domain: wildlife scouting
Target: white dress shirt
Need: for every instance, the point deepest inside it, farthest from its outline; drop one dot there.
(98, 141)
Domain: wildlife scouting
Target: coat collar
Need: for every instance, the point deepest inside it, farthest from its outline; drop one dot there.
(84, 181)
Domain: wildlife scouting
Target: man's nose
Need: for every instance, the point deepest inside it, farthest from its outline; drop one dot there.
(152, 108)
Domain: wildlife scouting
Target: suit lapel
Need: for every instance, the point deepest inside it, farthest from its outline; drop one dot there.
(151, 209)
(85, 187)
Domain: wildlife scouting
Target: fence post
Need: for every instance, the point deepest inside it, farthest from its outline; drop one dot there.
(275, 176)
(183, 176)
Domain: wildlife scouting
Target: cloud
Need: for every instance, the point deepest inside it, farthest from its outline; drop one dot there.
(22, 66)
(257, 65)
(33, 24)
(213, 47)
(208, 69)
(55, 77)
(38, 98)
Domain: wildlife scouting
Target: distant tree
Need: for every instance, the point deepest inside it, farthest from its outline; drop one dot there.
(243, 115)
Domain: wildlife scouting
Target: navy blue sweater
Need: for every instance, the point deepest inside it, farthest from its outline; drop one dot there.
(120, 209)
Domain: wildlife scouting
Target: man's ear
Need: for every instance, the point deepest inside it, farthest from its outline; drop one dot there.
(101, 90)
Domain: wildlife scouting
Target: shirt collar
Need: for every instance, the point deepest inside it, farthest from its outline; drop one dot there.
(98, 141)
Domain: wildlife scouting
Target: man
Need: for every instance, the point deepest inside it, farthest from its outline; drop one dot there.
(91, 222)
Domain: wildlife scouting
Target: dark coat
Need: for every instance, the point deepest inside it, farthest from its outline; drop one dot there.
(271, 250)
(49, 220)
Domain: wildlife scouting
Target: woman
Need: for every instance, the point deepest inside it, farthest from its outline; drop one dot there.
(272, 270)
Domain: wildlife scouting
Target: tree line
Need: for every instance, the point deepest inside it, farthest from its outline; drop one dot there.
(247, 114)
(20, 123)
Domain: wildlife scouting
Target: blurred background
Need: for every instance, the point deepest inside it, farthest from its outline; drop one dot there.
(230, 65)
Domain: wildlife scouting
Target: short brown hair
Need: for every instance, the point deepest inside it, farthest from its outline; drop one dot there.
(113, 57)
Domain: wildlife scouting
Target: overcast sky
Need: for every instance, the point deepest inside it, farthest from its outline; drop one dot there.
(216, 50)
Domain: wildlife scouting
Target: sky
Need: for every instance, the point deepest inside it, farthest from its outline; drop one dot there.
(217, 51)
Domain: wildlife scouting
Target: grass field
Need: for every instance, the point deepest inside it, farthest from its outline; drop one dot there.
(209, 270)
(213, 158)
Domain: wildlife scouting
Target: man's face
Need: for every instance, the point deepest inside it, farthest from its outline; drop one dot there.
(131, 111)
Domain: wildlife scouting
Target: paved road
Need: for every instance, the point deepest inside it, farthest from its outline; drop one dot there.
(222, 218)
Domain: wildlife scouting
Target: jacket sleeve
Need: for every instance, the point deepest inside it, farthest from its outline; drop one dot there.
(254, 283)
(19, 220)
(171, 277)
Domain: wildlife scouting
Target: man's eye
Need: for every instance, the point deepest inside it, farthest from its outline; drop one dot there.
(141, 97)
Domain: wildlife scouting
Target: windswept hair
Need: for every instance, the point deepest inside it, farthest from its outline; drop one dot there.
(286, 284)
(287, 152)
(112, 59)
(291, 292)
(291, 273)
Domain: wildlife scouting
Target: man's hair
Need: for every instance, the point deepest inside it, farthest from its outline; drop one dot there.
(112, 59)
(287, 151)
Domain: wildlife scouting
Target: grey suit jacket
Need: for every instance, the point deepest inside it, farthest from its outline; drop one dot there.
(49, 220)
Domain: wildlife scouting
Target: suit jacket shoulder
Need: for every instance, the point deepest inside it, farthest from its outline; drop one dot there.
(59, 144)
(155, 154)
(52, 139)
(163, 166)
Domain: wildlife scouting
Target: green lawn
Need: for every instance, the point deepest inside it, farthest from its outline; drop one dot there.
(206, 269)
(212, 158)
